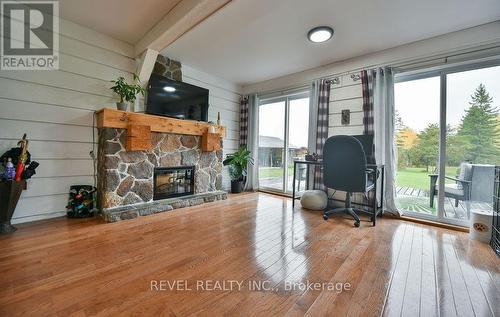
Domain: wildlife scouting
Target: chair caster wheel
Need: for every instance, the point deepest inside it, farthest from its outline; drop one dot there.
(325, 217)
(356, 224)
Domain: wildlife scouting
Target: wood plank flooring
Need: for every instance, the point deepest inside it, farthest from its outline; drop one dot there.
(67, 267)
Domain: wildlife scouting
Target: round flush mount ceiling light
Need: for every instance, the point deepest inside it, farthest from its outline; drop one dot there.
(169, 89)
(320, 34)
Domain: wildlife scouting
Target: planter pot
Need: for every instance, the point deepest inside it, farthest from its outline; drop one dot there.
(122, 106)
(10, 191)
(237, 186)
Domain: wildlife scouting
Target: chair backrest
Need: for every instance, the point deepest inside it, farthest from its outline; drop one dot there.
(366, 141)
(483, 182)
(344, 164)
(465, 172)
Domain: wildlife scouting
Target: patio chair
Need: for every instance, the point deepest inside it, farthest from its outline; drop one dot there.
(474, 183)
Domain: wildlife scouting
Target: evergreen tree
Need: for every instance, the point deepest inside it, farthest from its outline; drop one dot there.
(478, 130)
(426, 150)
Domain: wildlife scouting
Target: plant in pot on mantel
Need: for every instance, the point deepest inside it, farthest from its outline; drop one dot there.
(238, 163)
(126, 91)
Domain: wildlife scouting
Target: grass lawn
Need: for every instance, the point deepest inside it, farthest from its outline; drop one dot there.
(265, 172)
(417, 177)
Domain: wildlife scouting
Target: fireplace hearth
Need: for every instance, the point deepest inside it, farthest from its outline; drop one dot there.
(172, 182)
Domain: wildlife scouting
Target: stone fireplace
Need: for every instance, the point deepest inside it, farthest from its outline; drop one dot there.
(126, 184)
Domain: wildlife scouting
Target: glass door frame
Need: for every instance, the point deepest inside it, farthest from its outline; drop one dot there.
(286, 146)
(442, 72)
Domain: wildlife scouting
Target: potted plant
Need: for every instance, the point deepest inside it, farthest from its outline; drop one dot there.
(127, 92)
(238, 163)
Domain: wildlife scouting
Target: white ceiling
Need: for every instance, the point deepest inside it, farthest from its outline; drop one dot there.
(249, 41)
(126, 20)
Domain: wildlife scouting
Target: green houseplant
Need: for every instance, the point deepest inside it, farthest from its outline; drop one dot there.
(238, 163)
(126, 91)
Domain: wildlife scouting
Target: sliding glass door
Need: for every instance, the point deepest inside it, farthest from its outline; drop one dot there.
(472, 141)
(447, 135)
(283, 137)
(417, 138)
(272, 117)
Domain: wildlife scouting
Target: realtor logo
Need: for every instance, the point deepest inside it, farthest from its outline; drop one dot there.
(30, 35)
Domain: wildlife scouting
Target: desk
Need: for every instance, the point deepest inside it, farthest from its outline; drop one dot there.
(308, 164)
(376, 167)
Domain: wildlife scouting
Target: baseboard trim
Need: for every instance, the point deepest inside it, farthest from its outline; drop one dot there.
(429, 223)
(265, 191)
(32, 218)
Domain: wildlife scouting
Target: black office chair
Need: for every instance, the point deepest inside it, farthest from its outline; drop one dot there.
(366, 141)
(345, 169)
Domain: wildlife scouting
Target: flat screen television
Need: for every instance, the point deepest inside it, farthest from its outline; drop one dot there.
(170, 98)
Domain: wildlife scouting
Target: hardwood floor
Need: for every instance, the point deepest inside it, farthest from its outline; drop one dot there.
(69, 267)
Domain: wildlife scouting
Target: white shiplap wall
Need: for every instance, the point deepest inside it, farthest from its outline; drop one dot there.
(347, 94)
(55, 109)
(224, 97)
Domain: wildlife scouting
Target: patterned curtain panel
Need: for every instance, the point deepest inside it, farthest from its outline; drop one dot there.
(367, 87)
(322, 127)
(367, 78)
(244, 121)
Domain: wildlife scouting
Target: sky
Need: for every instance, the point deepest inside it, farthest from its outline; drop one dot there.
(417, 101)
(272, 120)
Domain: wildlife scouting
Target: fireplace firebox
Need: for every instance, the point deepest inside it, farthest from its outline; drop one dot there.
(173, 182)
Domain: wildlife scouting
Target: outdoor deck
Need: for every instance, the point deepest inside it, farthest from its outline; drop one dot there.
(417, 200)
(409, 191)
(407, 199)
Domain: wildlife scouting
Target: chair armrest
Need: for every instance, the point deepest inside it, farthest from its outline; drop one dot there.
(458, 180)
(433, 175)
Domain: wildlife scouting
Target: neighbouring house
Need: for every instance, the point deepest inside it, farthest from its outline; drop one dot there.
(271, 151)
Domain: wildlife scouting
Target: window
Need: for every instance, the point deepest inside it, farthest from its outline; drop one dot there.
(447, 136)
(283, 137)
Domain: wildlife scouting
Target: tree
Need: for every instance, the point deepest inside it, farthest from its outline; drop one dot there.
(426, 150)
(401, 140)
(478, 130)
(455, 146)
(406, 138)
(399, 126)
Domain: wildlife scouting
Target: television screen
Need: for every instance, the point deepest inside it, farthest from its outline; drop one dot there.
(170, 98)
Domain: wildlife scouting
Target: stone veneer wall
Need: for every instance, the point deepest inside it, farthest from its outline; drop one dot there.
(168, 67)
(126, 177)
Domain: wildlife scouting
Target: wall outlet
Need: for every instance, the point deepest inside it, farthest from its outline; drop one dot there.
(346, 117)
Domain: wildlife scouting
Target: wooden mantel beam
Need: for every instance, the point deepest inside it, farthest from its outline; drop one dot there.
(111, 118)
(139, 127)
(183, 17)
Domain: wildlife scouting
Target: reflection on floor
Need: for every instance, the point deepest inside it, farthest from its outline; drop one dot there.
(64, 267)
(417, 200)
